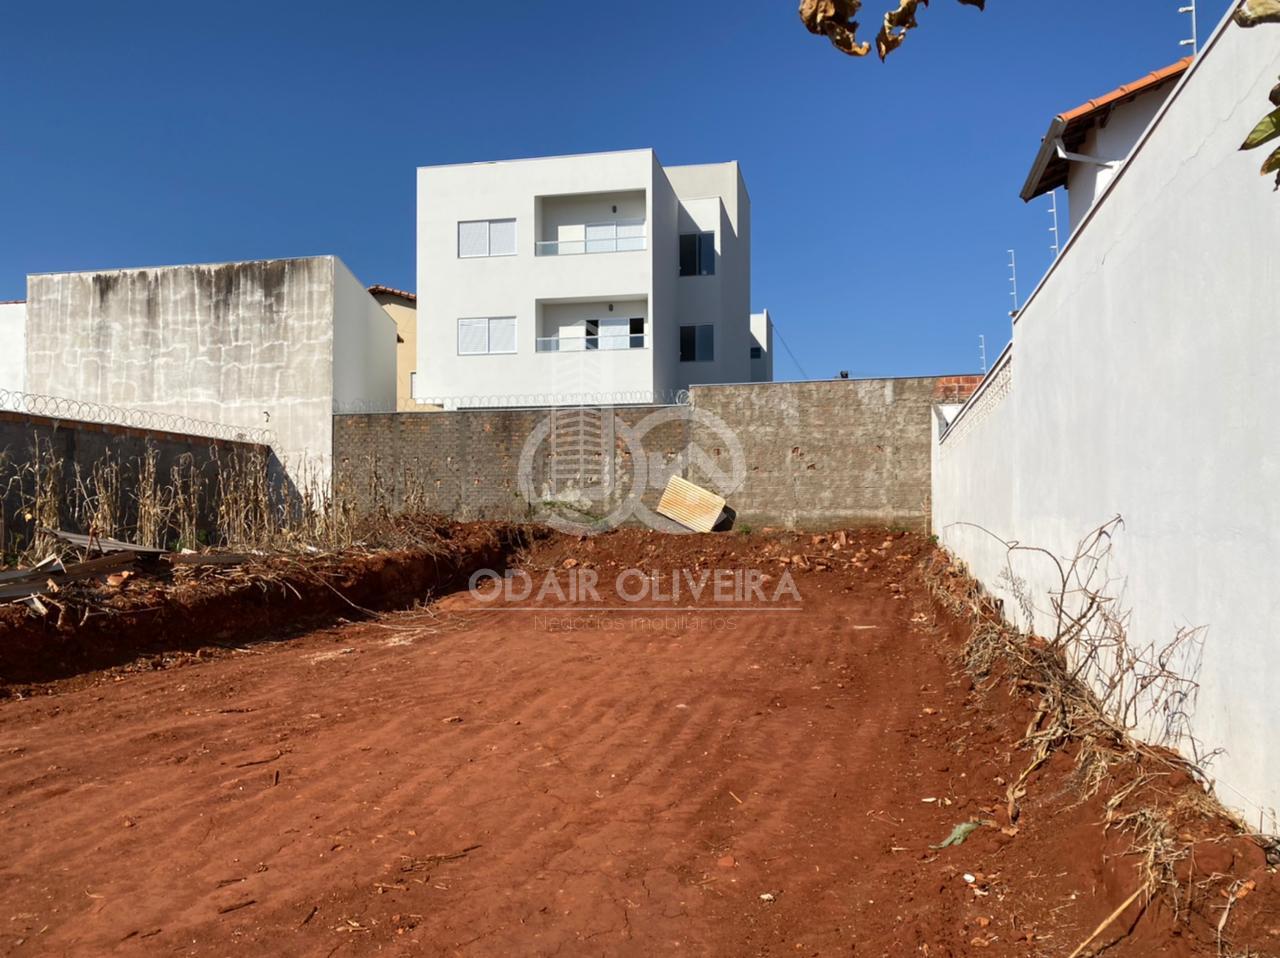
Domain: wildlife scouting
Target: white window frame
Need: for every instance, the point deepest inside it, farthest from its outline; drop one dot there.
(488, 253)
(488, 335)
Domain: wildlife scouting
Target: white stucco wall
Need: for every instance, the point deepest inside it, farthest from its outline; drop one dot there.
(713, 197)
(450, 287)
(550, 198)
(364, 347)
(13, 346)
(1143, 372)
(1113, 140)
(762, 336)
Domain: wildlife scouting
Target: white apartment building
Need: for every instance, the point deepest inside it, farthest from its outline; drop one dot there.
(602, 277)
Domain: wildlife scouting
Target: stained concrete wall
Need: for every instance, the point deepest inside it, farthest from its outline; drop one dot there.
(1143, 386)
(249, 344)
(13, 346)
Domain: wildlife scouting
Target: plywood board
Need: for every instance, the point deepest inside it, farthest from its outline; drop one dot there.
(690, 505)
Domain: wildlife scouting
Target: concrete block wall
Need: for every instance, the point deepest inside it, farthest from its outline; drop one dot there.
(818, 455)
(826, 454)
(466, 463)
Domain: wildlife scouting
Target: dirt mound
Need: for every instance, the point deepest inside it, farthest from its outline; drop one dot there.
(151, 621)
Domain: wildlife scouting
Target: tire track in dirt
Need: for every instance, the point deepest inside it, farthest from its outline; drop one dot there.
(606, 791)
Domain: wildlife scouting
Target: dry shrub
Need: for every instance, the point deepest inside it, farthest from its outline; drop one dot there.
(239, 498)
(1095, 690)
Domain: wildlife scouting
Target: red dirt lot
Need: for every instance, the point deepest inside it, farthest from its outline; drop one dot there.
(472, 779)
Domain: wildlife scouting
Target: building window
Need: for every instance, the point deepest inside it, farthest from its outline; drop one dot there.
(757, 352)
(486, 238)
(486, 336)
(697, 343)
(697, 254)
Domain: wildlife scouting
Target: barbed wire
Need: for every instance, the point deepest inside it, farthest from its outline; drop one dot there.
(639, 397)
(59, 407)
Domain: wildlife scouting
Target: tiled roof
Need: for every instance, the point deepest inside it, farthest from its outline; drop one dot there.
(392, 291)
(1050, 170)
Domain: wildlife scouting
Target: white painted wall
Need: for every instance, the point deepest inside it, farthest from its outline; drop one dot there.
(1143, 385)
(762, 336)
(13, 346)
(364, 347)
(714, 197)
(550, 199)
(1113, 141)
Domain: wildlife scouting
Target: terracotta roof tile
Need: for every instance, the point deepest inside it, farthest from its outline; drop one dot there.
(1049, 171)
(392, 291)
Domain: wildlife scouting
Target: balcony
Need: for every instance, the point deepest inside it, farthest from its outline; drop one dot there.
(580, 344)
(620, 236)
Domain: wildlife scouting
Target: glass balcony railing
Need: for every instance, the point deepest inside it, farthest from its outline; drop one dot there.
(579, 344)
(619, 237)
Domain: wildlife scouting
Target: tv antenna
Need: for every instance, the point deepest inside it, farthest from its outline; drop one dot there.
(1013, 281)
(1194, 40)
(982, 352)
(1053, 211)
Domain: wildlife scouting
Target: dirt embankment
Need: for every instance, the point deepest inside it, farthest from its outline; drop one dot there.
(148, 620)
(486, 778)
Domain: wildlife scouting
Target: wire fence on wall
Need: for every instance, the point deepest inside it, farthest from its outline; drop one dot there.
(59, 407)
(541, 400)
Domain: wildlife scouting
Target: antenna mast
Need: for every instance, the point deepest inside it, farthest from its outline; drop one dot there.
(982, 351)
(1053, 211)
(1194, 40)
(1013, 281)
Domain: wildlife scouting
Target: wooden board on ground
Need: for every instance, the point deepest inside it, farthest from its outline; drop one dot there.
(690, 505)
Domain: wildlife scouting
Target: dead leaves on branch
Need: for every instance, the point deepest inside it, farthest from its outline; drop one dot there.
(837, 21)
(1254, 12)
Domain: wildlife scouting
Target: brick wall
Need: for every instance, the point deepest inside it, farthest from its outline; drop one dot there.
(817, 455)
(76, 448)
(843, 452)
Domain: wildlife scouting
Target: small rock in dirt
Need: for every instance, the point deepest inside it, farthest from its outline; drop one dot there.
(726, 861)
(452, 720)
(768, 897)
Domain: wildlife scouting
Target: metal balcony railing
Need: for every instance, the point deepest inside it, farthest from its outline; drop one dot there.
(619, 237)
(578, 344)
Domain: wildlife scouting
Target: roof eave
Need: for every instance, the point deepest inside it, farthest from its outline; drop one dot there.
(1035, 185)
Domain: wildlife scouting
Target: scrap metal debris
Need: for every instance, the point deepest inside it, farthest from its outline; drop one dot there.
(117, 562)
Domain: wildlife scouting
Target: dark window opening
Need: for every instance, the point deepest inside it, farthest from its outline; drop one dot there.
(757, 352)
(697, 343)
(697, 254)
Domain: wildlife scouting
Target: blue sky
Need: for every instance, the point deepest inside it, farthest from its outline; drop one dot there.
(884, 196)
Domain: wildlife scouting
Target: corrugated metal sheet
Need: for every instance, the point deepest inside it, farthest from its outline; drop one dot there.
(690, 505)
